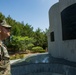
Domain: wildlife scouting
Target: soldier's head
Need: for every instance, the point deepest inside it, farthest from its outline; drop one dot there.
(4, 30)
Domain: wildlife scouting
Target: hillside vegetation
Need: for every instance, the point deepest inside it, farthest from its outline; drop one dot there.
(24, 38)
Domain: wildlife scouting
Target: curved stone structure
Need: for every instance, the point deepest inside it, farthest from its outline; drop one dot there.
(54, 67)
(43, 69)
(62, 30)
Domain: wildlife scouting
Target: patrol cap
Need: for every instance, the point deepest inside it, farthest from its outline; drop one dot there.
(4, 24)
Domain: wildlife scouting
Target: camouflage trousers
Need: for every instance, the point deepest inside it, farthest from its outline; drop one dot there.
(5, 71)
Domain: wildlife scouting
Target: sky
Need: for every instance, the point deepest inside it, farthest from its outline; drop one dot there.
(33, 12)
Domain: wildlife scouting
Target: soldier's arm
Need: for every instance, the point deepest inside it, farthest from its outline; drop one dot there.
(4, 62)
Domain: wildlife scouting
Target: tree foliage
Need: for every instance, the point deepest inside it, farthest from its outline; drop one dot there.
(22, 43)
(23, 36)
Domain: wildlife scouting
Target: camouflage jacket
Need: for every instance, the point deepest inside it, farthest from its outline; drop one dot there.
(4, 61)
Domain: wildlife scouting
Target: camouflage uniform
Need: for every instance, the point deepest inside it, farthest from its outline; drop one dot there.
(4, 61)
(4, 57)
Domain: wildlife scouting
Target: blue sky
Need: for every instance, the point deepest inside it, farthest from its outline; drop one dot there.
(33, 12)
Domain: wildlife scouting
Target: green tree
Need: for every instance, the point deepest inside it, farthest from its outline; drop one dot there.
(2, 17)
(41, 38)
(27, 30)
(22, 43)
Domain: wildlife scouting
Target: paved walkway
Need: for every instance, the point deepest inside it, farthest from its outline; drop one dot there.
(12, 61)
(36, 59)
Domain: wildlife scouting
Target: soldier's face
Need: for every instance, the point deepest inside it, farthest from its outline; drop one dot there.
(4, 33)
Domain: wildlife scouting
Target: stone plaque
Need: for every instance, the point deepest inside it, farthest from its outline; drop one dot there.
(68, 18)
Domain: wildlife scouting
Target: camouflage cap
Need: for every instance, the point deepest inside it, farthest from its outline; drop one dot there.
(4, 24)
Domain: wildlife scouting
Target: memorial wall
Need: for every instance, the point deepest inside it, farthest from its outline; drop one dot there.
(62, 30)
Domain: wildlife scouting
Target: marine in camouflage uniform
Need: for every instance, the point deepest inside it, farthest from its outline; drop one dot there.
(4, 61)
(4, 57)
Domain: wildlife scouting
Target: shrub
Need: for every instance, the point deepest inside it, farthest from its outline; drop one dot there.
(38, 49)
(17, 56)
(30, 46)
(41, 51)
